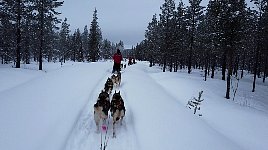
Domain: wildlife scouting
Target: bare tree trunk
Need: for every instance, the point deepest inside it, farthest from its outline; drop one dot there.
(265, 69)
(18, 34)
(206, 72)
(206, 66)
(165, 63)
(27, 55)
(151, 61)
(256, 67)
(41, 34)
(243, 64)
(190, 57)
(235, 71)
(74, 55)
(229, 74)
(213, 67)
(176, 66)
(224, 64)
(171, 64)
(230, 56)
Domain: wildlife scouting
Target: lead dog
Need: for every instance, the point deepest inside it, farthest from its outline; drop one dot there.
(117, 110)
(101, 108)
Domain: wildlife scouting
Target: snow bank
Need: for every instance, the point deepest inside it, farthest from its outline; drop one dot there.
(161, 122)
(40, 114)
(245, 125)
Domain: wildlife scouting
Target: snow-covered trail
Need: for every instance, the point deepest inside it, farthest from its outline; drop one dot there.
(84, 135)
(53, 110)
(154, 120)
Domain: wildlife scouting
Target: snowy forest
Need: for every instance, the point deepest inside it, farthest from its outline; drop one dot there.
(32, 31)
(199, 80)
(226, 35)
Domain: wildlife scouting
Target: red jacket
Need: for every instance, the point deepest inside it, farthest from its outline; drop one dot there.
(117, 58)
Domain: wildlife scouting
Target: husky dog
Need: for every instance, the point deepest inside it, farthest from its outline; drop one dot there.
(116, 78)
(108, 87)
(101, 108)
(117, 109)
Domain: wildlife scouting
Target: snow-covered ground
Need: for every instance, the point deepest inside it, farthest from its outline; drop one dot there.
(53, 110)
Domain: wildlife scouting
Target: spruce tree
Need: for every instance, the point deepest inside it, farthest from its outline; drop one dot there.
(106, 49)
(85, 41)
(152, 37)
(95, 38)
(64, 32)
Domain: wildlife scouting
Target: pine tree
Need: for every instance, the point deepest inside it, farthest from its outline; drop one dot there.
(106, 49)
(265, 39)
(14, 12)
(64, 32)
(7, 30)
(120, 45)
(167, 24)
(46, 19)
(95, 38)
(181, 35)
(85, 41)
(195, 12)
(261, 6)
(213, 32)
(79, 47)
(73, 46)
(232, 21)
(152, 37)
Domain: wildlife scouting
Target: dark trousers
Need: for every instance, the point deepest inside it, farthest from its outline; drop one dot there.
(116, 67)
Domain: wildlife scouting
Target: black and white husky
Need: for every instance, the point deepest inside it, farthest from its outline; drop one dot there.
(116, 78)
(101, 109)
(117, 109)
(108, 87)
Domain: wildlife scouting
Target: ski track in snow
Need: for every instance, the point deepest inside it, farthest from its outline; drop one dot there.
(85, 136)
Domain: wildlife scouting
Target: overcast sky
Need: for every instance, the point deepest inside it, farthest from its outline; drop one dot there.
(124, 20)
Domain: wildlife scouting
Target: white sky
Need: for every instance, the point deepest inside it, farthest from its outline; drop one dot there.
(124, 20)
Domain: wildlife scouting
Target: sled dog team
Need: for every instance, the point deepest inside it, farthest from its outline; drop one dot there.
(103, 104)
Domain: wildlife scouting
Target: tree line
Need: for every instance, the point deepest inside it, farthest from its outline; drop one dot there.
(30, 30)
(226, 35)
